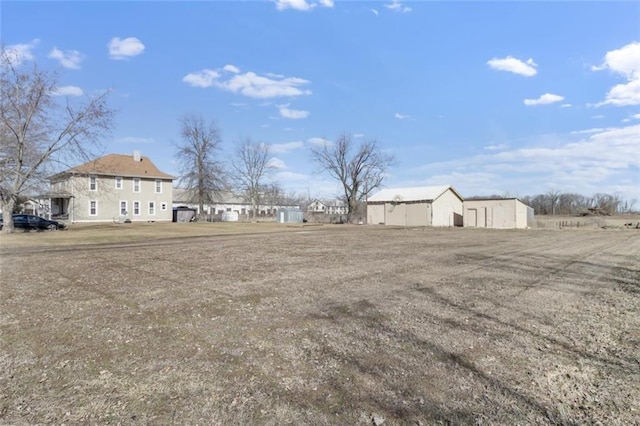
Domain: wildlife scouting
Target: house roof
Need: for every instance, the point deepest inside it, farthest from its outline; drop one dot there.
(120, 165)
(419, 193)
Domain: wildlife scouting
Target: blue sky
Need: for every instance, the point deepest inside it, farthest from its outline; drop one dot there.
(513, 98)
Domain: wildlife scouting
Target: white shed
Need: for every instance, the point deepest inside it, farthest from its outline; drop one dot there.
(418, 206)
(497, 213)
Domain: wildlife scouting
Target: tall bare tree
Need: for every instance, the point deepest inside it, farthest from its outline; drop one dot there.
(360, 169)
(37, 130)
(251, 168)
(202, 172)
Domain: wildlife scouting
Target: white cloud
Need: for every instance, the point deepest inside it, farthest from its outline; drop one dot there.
(566, 106)
(626, 63)
(547, 98)
(401, 116)
(304, 5)
(124, 48)
(67, 91)
(293, 114)
(636, 116)
(16, 54)
(204, 78)
(358, 135)
(70, 59)
(396, 6)
(248, 84)
(375, 12)
(319, 142)
(514, 65)
(231, 68)
(623, 94)
(276, 163)
(282, 148)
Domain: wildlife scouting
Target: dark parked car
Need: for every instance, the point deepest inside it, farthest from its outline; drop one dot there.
(28, 221)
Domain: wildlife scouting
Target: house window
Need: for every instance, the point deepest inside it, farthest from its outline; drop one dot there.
(93, 183)
(152, 208)
(136, 184)
(163, 207)
(118, 182)
(93, 208)
(158, 186)
(123, 208)
(136, 208)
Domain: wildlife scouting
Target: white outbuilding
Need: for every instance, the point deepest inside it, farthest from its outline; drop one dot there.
(417, 206)
(497, 213)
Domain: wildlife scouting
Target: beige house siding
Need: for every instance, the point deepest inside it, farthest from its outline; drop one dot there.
(108, 199)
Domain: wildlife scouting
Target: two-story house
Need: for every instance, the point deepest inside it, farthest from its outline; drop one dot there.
(112, 188)
(331, 207)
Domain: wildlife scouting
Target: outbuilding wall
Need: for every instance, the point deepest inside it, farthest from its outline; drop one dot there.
(447, 210)
(375, 214)
(497, 213)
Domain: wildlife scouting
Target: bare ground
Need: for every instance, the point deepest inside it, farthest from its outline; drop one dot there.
(324, 325)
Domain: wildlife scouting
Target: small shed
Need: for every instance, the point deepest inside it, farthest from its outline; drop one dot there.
(497, 213)
(183, 214)
(289, 215)
(417, 206)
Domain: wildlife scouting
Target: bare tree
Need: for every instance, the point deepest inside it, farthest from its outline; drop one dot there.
(38, 131)
(202, 172)
(360, 169)
(251, 168)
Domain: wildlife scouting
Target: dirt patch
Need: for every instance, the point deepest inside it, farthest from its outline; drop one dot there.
(333, 325)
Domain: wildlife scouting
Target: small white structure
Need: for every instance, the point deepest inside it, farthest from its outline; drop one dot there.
(418, 206)
(230, 216)
(497, 213)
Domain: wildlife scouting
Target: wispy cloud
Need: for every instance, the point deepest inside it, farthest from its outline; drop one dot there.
(70, 59)
(124, 48)
(547, 98)
(514, 65)
(319, 142)
(624, 62)
(587, 161)
(498, 147)
(135, 140)
(303, 5)
(293, 114)
(401, 116)
(16, 54)
(374, 11)
(67, 91)
(283, 148)
(397, 6)
(248, 84)
(276, 163)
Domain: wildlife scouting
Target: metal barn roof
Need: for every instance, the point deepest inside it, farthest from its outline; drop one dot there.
(420, 193)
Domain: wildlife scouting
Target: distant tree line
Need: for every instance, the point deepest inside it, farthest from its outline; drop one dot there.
(556, 202)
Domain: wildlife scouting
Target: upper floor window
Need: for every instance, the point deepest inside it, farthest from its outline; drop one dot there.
(93, 183)
(136, 184)
(158, 186)
(118, 182)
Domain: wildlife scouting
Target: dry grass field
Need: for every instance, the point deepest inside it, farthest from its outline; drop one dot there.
(260, 324)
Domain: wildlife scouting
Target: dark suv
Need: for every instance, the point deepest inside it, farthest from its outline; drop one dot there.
(28, 222)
